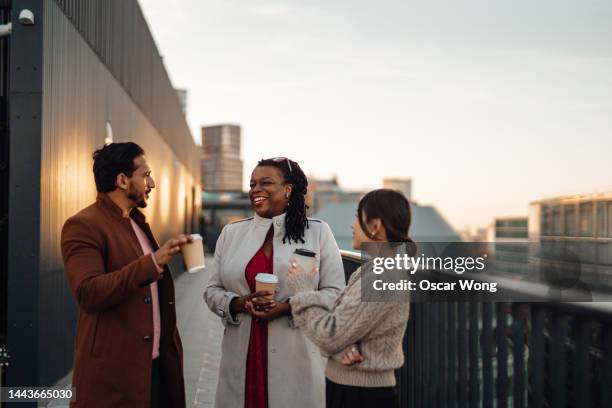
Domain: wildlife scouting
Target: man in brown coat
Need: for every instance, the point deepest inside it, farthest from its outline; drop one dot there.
(128, 351)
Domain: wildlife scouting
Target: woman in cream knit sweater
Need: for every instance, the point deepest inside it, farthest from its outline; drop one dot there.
(362, 339)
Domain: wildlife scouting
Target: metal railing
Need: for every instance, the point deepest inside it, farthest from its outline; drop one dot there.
(484, 354)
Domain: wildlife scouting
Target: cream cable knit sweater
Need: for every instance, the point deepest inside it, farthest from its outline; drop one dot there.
(378, 328)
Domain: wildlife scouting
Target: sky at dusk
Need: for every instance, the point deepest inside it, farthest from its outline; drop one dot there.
(486, 105)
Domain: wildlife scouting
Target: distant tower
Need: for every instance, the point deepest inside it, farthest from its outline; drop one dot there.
(403, 185)
(221, 163)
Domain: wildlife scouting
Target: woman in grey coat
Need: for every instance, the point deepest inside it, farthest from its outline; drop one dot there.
(266, 361)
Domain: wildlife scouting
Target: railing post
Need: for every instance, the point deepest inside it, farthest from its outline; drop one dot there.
(536, 357)
(418, 341)
(434, 315)
(582, 367)
(463, 354)
(474, 354)
(606, 369)
(558, 360)
(444, 333)
(502, 355)
(487, 354)
(518, 355)
(453, 354)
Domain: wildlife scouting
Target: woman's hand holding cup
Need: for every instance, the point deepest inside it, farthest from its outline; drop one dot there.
(262, 303)
(238, 304)
(268, 312)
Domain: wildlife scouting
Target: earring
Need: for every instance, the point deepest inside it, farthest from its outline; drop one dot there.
(286, 196)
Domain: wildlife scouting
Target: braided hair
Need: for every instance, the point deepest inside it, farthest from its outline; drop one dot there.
(295, 220)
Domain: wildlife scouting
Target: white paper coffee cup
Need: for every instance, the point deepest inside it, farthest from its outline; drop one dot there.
(266, 281)
(193, 254)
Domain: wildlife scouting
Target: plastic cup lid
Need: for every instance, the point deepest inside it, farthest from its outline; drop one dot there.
(266, 278)
(196, 237)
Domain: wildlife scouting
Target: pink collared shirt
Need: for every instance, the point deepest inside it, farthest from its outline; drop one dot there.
(147, 249)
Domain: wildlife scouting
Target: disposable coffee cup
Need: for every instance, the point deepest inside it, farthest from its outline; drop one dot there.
(267, 282)
(193, 254)
(306, 259)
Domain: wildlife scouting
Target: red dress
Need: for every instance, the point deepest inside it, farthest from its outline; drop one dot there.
(256, 384)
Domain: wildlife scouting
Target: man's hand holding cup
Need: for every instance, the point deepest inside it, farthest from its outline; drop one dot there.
(172, 247)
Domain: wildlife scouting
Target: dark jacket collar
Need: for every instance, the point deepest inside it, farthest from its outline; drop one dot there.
(105, 202)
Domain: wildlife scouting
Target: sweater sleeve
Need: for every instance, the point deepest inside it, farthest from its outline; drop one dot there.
(331, 270)
(333, 329)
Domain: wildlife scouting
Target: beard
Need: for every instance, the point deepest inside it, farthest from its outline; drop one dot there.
(138, 198)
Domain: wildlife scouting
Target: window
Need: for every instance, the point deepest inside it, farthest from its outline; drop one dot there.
(556, 220)
(545, 221)
(601, 219)
(609, 220)
(586, 219)
(569, 216)
(518, 223)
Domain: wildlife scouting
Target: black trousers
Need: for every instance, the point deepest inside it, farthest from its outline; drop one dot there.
(346, 396)
(155, 384)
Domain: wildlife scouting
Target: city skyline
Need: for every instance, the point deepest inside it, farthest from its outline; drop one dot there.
(485, 106)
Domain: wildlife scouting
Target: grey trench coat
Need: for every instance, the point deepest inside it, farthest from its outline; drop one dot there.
(295, 365)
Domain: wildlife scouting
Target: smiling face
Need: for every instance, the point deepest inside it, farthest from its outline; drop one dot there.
(140, 184)
(268, 190)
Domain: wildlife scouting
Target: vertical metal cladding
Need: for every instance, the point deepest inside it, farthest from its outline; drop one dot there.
(101, 67)
(25, 112)
(116, 30)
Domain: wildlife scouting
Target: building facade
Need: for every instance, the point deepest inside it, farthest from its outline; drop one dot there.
(83, 73)
(510, 237)
(577, 229)
(221, 163)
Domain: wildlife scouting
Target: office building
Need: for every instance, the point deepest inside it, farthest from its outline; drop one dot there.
(220, 160)
(509, 236)
(576, 230)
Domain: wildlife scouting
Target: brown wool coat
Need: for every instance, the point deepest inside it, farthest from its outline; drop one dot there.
(110, 277)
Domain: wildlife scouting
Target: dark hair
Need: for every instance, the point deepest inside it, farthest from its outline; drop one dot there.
(295, 220)
(393, 209)
(112, 160)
